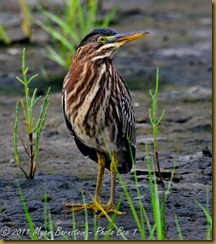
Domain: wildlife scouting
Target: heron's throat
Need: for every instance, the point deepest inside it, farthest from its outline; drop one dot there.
(92, 53)
(105, 51)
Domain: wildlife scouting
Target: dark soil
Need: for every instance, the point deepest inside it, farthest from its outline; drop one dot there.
(180, 44)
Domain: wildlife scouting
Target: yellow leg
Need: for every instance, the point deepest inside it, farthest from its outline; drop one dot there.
(95, 204)
(101, 168)
(110, 206)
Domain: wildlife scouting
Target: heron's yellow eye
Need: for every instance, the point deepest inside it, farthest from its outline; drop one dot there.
(101, 39)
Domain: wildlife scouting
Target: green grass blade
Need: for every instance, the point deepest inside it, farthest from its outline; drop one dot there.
(80, 16)
(133, 210)
(206, 212)
(4, 36)
(86, 219)
(58, 36)
(208, 217)
(111, 223)
(92, 7)
(155, 200)
(27, 215)
(57, 20)
(142, 214)
(51, 227)
(178, 229)
(55, 56)
(66, 29)
(73, 222)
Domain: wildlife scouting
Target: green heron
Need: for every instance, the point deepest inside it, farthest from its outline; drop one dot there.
(98, 110)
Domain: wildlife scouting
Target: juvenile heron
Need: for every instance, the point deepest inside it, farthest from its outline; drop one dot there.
(98, 110)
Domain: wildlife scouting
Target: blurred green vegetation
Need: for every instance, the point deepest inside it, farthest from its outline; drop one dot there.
(67, 25)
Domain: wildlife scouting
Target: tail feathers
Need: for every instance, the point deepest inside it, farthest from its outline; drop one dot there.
(124, 163)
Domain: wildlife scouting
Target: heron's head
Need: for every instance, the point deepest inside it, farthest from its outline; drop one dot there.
(103, 42)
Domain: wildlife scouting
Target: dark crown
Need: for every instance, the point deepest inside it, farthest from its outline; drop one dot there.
(99, 31)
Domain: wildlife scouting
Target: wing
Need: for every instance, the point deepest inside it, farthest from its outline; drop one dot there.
(86, 151)
(128, 129)
(128, 120)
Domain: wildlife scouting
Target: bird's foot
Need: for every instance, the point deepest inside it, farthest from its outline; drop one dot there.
(109, 208)
(94, 206)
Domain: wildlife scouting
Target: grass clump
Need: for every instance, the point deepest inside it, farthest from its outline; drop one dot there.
(32, 125)
(69, 26)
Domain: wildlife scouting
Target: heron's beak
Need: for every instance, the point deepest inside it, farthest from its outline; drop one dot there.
(121, 39)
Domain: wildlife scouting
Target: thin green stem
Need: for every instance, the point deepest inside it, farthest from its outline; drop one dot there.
(27, 105)
(155, 122)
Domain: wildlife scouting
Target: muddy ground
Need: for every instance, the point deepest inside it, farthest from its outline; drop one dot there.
(180, 44)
